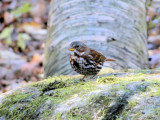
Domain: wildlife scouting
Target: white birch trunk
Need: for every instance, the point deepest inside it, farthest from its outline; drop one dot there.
(116, 28)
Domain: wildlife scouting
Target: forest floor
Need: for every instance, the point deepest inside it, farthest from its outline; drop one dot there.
(23, 29)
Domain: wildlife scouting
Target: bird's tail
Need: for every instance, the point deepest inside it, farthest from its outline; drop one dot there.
(110, 60)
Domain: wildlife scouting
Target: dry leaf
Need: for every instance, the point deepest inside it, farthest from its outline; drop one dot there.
(37, 58)
(8, 17)
(30, 27)
(38, 10)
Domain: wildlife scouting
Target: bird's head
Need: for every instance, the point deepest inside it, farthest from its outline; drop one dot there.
(78, 46)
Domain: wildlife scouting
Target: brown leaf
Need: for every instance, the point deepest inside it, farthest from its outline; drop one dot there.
(37, 58)
(8, 17)
(151, 12)
(154, 39)
(38, 10)
(30, 27)
(29, 67)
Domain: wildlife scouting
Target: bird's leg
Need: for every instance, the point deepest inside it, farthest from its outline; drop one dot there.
(83, 78)
(93, 76)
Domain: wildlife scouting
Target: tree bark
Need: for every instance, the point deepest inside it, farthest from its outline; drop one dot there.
(115, 28)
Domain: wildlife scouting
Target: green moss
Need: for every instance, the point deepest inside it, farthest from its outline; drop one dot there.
(8, 105)
(79, 89)
(58, 116)
(141, 71)
(157, 112)
(27, 107)
(20, 110)
(153, 89)
(49, 84)
(75, 114)
(15, 106)
(132, 103)
(56, 90)
(56, 82)
(104, 102)
(128, 78)
(157, 92)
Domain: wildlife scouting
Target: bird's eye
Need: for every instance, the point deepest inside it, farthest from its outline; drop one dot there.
(77, 46)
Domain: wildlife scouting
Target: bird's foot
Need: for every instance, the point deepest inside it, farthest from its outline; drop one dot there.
(93, 77)
(83, 78)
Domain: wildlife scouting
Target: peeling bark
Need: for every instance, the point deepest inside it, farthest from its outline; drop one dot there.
(116, 28)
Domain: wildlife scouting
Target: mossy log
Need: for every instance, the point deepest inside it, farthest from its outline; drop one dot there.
(116, 28)
(117, 95)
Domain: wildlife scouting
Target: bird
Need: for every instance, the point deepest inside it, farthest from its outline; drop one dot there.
(84, 60)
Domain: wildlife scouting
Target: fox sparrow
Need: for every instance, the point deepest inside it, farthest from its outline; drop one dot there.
(84, 60)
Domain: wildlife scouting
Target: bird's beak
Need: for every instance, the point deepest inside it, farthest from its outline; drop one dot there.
(71, 49)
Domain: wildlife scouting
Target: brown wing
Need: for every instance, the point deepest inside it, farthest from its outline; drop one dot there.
(95, 57)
